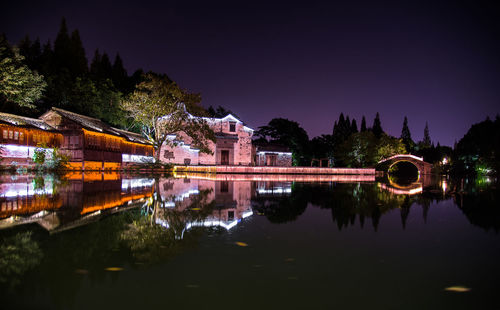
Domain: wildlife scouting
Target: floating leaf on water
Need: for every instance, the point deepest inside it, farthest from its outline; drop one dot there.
(241, 243)
(290, 259)
(458, 289)
(81, 271)
(114, 269)
(192, 286)
(257, 266)
(293, 278)
(195, 209)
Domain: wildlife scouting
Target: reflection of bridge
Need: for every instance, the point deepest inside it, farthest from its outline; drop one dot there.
(412, 189)
(422, 166)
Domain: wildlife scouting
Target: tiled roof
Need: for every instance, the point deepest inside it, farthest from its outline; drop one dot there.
(224, 135)
(24, 121)
(95, 124)
(132, 136)
(272, 148)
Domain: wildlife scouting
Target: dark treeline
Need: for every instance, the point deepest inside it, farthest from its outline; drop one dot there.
(350, 146)
(94, 89)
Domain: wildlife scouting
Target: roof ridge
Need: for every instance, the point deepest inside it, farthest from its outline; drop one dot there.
(20, 116)
(80, 115)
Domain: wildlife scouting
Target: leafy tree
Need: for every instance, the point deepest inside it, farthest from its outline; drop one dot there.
(288, 133)
(478, 151)
(161, 108)
(358, 150)
(377, 126)
(364, 149)
(388, 146)
(18, 84)
(322, 147)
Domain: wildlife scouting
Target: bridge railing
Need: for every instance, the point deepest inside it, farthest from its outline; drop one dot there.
(401, 156)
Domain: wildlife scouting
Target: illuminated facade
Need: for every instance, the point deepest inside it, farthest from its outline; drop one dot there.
(232, 147)
(19, 136)
(93, 145)
(89, 143)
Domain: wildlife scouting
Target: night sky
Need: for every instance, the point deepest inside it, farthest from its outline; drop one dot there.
(431, 61)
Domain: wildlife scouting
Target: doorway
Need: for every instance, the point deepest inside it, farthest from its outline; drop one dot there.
(224, 157)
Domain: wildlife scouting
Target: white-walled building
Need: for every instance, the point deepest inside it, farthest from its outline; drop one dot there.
(233, 145)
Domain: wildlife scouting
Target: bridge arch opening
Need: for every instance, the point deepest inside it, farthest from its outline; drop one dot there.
(403, 172)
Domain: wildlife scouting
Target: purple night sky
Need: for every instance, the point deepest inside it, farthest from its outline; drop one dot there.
(431, 61)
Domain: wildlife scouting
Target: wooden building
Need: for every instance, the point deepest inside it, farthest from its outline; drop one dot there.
(19, 136)
(93, 145)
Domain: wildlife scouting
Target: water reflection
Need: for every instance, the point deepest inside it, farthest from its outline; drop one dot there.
(82, 224)
(183, 202)
(63, 203)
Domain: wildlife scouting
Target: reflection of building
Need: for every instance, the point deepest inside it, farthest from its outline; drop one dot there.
(232, 147)
(229, 201)
(62, 205)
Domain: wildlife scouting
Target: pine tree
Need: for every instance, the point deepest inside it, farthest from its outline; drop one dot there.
(119, 74)
(363, 124)
(106, 67)
(95, 65)
(427, 138)
(406, 136)
(62, 47)
(78, 61)
(377, 127)
(354, 126)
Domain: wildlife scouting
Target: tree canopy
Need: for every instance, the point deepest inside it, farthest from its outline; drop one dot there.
(288, 133)
(161, 108)
(18, 84)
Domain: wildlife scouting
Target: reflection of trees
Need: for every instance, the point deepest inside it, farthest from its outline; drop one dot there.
(151, 242)
(282, 208)
(18, 254)
(349, 203)
(478, 200)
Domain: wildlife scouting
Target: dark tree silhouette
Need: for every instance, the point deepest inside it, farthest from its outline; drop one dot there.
(363, 124)
(377, 126)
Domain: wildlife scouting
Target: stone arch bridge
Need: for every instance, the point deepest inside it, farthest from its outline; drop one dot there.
(422, 166)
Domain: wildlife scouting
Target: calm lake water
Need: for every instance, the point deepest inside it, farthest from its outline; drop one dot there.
(106, 241)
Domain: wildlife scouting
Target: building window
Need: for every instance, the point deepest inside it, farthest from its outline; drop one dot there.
(5, 134)
(168, 155)
(232, 126)
(21, 136)
(11, 134)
